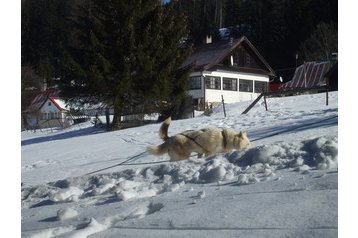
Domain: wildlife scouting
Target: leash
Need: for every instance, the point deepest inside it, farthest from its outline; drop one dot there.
(194, 140)
(146, 163)
(122, 163)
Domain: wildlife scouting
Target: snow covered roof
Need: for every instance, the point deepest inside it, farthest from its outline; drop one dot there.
(59, 103)
(308, 75)
(51, 94)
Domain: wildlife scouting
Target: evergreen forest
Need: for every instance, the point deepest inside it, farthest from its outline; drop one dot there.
(129, 53)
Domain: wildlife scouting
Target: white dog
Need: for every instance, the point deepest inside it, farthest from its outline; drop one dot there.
(207, 142)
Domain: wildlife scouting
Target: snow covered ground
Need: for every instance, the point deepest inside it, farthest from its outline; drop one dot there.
(285, 185)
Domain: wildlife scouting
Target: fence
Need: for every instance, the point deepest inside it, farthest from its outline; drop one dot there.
(287, 93)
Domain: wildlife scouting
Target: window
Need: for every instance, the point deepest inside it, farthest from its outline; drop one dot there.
(55, 115)
(212, 82)
(230, 84)
(236, 56)
(246, 85)
(260, 87)
(52, 115)
(44, 116)
(247, 59)
(195, 82)
(49, 103)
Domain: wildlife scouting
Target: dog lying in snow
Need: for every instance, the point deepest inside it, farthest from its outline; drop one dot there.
(207, 142)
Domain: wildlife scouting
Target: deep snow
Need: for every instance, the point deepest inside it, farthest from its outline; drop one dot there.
(285, 185)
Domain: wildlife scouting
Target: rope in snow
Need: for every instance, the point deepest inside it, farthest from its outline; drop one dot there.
(164, 161)
(144, 163)
(122, 163)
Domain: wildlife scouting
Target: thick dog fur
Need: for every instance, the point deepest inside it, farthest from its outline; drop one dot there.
(207, 142)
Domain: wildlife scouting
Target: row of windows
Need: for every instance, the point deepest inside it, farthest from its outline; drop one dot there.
(50, 115)
(229, 84)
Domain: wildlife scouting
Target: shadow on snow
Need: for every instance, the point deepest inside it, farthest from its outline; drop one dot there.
(302, 125)
(62, 136)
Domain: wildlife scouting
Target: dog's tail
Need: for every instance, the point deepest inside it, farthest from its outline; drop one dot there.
(163, 134)
(158, 150)
(163, 131)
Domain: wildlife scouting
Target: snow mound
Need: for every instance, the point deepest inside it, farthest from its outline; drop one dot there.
(66, 195)
(53, 232)
(92, 227)
(325, 152)
(246, 167)
(67, 213)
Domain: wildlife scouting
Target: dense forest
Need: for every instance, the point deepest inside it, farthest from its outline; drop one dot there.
(286, 32)
(128, 53)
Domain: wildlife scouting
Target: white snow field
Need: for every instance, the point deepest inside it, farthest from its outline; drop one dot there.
(284, 185)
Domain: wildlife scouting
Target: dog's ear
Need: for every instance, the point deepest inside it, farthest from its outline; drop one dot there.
(242, 134)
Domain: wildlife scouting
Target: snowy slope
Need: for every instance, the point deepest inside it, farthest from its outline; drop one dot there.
(285, 185)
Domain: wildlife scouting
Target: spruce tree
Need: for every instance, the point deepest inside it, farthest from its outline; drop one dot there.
(126, 54)
(44, 36)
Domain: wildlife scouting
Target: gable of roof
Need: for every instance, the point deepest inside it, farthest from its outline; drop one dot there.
(59, 103)
(308, 75)
(207, 56)
(51, 94)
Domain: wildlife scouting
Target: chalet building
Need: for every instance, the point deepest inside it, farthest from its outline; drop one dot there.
(47, 110)
(230, 68)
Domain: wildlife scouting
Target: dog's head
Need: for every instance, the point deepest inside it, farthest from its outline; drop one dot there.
(241, 141)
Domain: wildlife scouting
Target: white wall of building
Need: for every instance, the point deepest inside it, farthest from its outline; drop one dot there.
(214, 95)
(51, 111)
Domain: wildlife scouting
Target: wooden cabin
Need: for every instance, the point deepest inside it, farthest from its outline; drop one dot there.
(232, 69)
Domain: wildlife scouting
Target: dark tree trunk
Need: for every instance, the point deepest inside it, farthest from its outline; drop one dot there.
(116, 123)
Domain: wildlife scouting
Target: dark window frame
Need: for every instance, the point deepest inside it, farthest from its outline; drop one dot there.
(246, 85)
(230, 84)
(247, 59)
(213, 82)
(260, 86)
(195, 82)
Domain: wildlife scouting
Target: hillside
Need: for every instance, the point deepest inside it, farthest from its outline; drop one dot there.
(284, 185)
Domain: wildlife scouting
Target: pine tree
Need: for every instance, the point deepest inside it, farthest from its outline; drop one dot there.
(44, 36)
(321, 43)
(126, 54)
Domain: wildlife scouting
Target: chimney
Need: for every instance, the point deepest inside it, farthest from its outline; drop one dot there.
(44, 85)
(208, 39)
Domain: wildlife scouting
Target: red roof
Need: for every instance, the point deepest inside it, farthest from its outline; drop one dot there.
(39, 100)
